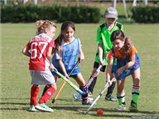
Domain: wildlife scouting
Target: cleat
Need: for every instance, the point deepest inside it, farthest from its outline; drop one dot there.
(121, 107)
(133, 107)
(79, 97)
(111, 98)
(88, 101)
(44, 107)
(32, 109)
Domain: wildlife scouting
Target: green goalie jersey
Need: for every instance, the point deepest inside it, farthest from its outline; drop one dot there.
(103, 37)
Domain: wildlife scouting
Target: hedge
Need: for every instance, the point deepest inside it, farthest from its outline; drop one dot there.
(58, 13)
(145, 14)
(150, 1)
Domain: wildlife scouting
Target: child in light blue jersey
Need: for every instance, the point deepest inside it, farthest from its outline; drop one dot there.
(68, 49)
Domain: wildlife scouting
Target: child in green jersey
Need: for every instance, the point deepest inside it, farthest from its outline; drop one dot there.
(104, 32)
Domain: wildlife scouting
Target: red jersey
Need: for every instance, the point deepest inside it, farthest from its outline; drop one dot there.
(38, 48)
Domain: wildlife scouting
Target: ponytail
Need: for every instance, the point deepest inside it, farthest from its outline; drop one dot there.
(118, 34)
(127, 45)
(58, 42)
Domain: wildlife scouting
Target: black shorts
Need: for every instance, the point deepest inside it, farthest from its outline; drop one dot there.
(96, 65)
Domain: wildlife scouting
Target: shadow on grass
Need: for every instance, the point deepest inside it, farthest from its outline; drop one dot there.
(114, 113)
(13, 103)
(64, 99)
(82, 109)
(8, 108)
(14, 98)
(69, 108)
(111, 115)
(115, 110)
(133, 116)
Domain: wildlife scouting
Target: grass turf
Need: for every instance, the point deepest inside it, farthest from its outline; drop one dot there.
(15, 77)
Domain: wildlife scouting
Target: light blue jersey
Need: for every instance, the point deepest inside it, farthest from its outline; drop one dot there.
(70, 52)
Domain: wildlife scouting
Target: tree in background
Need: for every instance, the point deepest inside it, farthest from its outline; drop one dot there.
(24, 1)
(77, 1)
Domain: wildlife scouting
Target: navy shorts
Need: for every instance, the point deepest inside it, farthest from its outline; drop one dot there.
(128, 71)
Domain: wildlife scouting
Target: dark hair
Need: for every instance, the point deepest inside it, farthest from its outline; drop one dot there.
(118, 34)
(64, 26)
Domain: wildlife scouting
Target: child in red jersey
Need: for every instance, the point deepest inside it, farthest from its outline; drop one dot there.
(40, 49)
(128, 63)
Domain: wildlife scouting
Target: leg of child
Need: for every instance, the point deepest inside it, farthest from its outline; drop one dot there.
(46, 87)
(135, 90)
(48, 93)
(91, 87)
(33, 98)
(121, 94)
(34, 94)
(109, 96)
(80, 80)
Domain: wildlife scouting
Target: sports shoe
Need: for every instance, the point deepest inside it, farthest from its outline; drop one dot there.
(79, 97)
(88, 101)
(121, 107)
(32, 109)
(133, 107)
(44, 107)
(111, 98)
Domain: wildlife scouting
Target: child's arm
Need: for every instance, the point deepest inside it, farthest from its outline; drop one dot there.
(100, 51)
(81, 54)
(26, 52)
(61, 64)
(49, 57)
(109, 69)
(129, 64)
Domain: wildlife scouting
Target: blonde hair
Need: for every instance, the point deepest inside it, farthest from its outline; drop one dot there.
(42, 25)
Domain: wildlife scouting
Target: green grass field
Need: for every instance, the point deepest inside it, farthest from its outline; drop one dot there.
(15, 78)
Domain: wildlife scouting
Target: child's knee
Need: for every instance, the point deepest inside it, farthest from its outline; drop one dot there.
(120, 91)
(136, 82)
(53, 86)
(35, 85)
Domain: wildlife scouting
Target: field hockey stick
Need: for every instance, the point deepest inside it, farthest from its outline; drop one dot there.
(64, 82)
(100, 94)
(69, 82)
(95, 74)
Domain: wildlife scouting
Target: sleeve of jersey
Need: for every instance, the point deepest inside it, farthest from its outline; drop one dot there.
(80, 45)
(58, 55)
(99, 37)
(110, 55)
(29, 45)
(133, 51)
(52, 44)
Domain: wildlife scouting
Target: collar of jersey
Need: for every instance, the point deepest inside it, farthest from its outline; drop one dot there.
(63, 43)
(44, 35)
